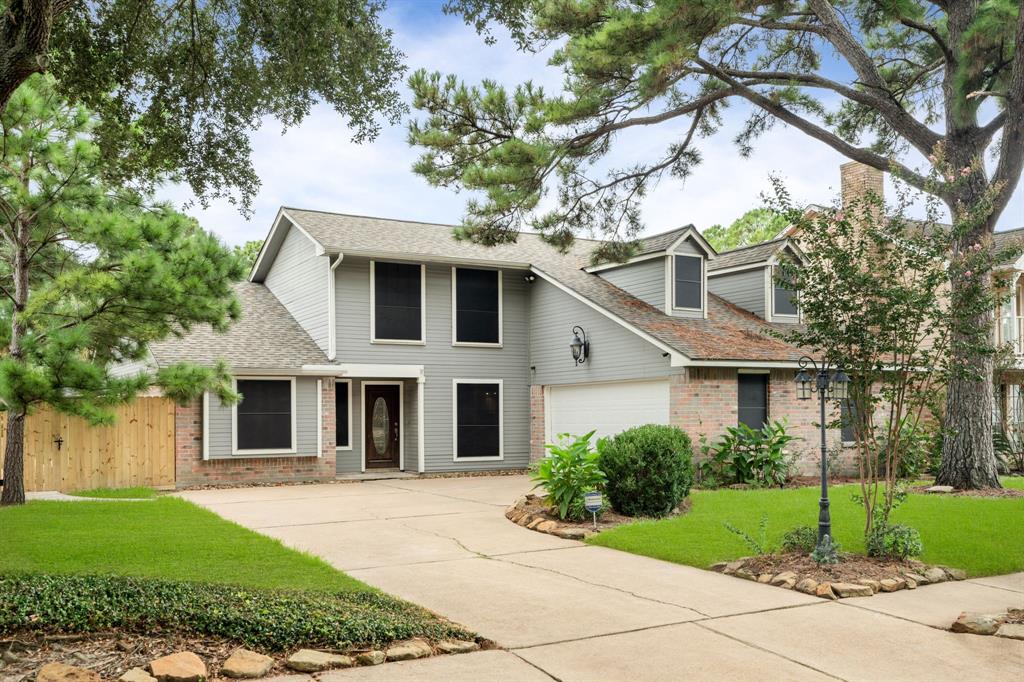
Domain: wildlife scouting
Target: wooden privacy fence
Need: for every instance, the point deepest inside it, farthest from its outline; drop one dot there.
(65, 453)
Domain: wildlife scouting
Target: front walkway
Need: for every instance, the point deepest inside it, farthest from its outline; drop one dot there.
(567, 611)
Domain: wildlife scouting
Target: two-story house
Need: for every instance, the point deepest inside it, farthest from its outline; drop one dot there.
(371, 344)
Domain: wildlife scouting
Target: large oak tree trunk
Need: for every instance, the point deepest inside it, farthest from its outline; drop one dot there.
(14, 461)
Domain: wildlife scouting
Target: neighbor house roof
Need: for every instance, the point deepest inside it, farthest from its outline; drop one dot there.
(266, 337)
(728, 333)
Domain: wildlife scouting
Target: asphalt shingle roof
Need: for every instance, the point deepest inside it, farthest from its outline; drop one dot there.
(728, 333)
(660, 242)
(746, 255)
(266, 337)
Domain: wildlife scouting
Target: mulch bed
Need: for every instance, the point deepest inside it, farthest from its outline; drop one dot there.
(853, 567)
(983, 492)
(109, 654)
(533, 512)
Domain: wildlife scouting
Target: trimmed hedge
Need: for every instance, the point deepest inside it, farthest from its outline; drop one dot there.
(268, 620)
(649, 469)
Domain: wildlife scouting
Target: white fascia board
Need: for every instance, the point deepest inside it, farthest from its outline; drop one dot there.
(369, 371)
(736, 268)
(412, 257)
(676, 358)
(749, 364)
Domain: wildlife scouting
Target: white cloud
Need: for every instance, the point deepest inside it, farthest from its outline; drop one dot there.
(317, 166)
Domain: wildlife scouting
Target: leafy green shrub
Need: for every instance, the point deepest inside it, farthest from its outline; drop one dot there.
(800, 539)
(918, 450)
(571, 469)
(827, 552)
(893, 541)
(268, 620)
(751, 457)
(649, 469)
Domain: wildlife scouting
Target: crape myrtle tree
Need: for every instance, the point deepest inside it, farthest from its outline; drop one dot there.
(90, 272)
(872, 80)
(178, 86)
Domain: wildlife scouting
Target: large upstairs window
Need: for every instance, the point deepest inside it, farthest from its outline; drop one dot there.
(396, 295)
(476, 306)
(688, 278)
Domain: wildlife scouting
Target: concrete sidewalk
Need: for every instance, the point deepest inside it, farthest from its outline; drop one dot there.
(567, 611)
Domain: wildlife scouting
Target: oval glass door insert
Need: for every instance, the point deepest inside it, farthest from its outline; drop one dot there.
(381, 425)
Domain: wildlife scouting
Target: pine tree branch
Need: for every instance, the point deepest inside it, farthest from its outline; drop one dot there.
(865, 156)
(934, 34)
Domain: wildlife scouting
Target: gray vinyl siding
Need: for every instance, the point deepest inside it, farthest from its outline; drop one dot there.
(645, 280)
(442, 363)
(220, 423)
(298, 278)
(745, 289)
(616, 353)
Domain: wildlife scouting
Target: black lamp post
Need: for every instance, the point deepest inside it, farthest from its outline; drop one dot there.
(830, 383)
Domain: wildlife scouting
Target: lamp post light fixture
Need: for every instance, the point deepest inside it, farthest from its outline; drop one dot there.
(830, 383)
(580, 347)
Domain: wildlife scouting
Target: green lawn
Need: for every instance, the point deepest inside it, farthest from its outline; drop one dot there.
(137, 493)
(980, 535)
(165, 538)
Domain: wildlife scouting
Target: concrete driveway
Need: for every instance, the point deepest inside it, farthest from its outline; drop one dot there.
(566, 611)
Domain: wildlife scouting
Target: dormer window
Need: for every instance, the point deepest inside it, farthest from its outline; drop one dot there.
(688, 277)
(784, 297)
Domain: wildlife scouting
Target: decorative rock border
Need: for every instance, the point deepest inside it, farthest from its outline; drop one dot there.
(186, 666)
(519, 514)
(988, 624)
(864, 587)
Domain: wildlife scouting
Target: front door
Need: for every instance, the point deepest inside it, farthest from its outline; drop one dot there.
(382, 425)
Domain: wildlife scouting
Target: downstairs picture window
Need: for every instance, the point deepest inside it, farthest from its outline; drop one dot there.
(753, 400)
(477, 420)
(264, 415)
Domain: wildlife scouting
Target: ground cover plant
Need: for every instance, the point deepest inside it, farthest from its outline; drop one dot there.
(570, 470)
(977, 534)
(166, 538)
(268, 620)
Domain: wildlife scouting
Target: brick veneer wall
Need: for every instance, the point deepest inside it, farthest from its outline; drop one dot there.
(537, 435)
(191, 469)
(704, 401)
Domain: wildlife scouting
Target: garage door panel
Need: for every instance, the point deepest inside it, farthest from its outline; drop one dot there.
(608, 408)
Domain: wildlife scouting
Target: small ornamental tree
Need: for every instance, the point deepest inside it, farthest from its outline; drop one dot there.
(874, 297)
(90, 273)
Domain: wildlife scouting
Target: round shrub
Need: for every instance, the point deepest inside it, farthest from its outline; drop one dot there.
(893, 541)
(649, 469)
(800, 539)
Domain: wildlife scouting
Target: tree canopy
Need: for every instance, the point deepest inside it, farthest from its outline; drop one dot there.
(248, 252)
(179, 86)
(911, 76)
(91, 273)
(753, 227)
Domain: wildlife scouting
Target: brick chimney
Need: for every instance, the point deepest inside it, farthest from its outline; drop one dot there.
(858, 179)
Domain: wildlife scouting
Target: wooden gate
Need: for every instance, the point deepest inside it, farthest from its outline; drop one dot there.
(65, 453)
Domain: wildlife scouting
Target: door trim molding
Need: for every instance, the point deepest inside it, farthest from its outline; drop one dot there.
(401, 418)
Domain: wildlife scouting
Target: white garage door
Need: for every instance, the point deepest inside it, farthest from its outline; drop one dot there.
(608, 408)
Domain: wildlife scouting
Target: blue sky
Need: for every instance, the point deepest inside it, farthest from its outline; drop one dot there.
(316, 166)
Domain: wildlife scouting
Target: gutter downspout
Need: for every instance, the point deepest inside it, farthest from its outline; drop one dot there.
(332, 326)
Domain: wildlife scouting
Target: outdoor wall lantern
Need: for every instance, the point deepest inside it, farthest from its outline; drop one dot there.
(830, 383)
(580, 347)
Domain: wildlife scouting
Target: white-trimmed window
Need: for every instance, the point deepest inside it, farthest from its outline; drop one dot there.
(264, 419)
(398, 306)
(477, 419)
(784, 297)
(343, 414)
(688, 282)
(476, 307)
